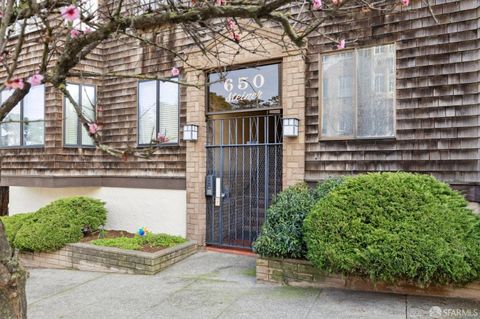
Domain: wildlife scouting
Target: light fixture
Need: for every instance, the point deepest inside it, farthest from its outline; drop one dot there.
(290, 127)
(190, 132)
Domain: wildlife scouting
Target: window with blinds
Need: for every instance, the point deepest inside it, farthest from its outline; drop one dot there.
(158, 112)
(358, 93)
(25, 124)
(74, 134)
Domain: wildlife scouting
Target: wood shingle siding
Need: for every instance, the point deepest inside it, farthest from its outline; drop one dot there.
(437, 95)
(437, 102)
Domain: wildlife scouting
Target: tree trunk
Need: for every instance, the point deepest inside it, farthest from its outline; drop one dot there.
(13, 298)
(4, 198)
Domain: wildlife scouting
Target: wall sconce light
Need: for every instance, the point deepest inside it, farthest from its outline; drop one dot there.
(190, 132)
(290, 127)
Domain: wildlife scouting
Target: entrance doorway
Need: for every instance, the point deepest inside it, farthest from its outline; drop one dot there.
(244, 173)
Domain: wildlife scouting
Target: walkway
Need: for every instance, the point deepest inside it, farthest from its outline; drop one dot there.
(214, 285)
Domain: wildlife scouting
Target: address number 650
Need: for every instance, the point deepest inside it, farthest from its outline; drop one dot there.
(243, 83)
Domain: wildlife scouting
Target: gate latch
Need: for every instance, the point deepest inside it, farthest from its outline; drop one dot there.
(218, 191)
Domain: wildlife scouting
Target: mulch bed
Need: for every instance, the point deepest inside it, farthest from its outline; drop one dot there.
(119, 233)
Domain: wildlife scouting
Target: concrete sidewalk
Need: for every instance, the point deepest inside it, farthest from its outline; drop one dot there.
(215, 285)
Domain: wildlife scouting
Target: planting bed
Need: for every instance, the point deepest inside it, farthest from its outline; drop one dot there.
(295, 272)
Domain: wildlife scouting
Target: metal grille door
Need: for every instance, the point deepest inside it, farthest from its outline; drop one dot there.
(244, 172)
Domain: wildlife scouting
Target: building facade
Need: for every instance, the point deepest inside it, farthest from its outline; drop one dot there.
(404, 95)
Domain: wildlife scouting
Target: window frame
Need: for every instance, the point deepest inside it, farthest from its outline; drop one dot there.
(79, 124)
(355, 96)
(22, 137)
(157, 115)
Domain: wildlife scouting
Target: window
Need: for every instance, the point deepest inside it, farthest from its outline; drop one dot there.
(74, 133)
(25, 124)
(157, 111)
(358, 93)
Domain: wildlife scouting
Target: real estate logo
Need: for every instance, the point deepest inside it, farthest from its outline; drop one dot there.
(435, 312)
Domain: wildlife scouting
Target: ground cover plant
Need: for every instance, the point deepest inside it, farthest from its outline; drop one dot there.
(395, 227)
(148, 242)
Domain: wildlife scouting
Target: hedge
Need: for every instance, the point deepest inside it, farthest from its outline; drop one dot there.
(395, 227)
(282, 232)
(56, 224)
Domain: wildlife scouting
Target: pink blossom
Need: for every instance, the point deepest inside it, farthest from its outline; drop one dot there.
(175, 71)
(219, 2)
(70, 13)
(15, 84)
(35, 79)
(336, 2)
(341, 44)
(231, 23)
(75, 33)
(162, 138)
(405, 2)
(317, 4)
(236, 37)
(93, 128)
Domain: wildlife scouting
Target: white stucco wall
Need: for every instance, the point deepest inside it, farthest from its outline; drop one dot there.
(162, 211)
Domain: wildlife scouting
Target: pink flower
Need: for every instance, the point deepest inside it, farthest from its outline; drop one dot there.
(317, 4)
(336, 2)
(75, 33)
(175, 71)
(236, 37)
(231, 23)
(70, 13)
(405, 2)
(162, 138)
(15, 84)
(341, 44)
(93, 128)
(219, 2)
(35, 79)
(87, 30)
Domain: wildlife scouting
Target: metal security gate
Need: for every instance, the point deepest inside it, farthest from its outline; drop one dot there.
(244, 172)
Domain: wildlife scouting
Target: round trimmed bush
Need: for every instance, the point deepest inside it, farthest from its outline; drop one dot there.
(60, 223)
(395, 227)
(282, 232)
(14, 223)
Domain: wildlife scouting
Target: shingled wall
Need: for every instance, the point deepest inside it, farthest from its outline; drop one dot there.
(437, 108)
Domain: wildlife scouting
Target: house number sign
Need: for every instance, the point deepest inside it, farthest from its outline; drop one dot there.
(255, 87)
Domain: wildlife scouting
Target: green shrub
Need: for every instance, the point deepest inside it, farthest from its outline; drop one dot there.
(282, 232)
(59, 223)
(394, 227)
(137, 242)
(14, 223)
